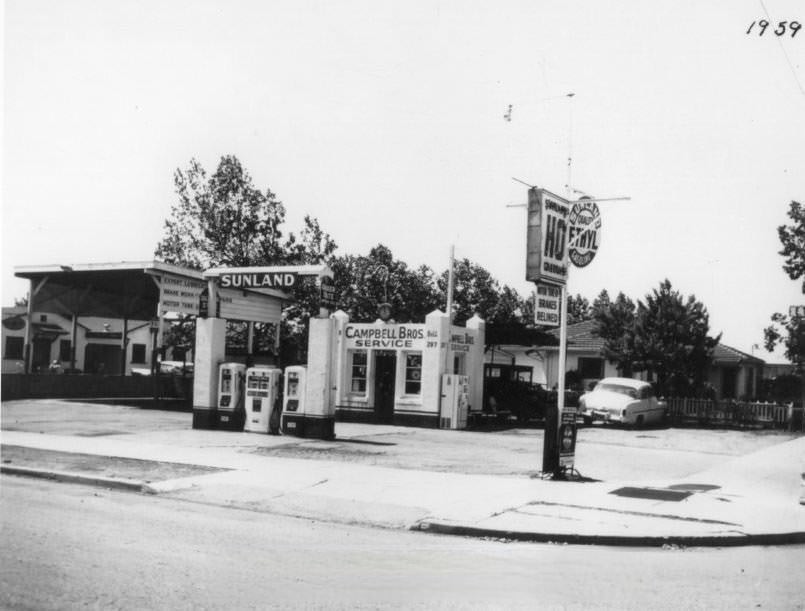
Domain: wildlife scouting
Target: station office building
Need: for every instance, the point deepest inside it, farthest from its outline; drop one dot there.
(386, 372)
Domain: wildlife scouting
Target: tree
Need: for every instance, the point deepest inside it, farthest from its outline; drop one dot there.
(600, 303)
(614, 323)
(364, 282)
(476, 291)
(671, 340)
(578, 309)
(792, 238)
(224, 220)
(785, 330)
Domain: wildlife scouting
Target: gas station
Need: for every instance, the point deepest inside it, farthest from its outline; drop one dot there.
(426, 374)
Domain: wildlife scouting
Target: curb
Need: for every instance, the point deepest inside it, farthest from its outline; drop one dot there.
(63, 476)
(792, 538)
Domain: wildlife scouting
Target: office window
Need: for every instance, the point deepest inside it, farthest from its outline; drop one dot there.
(64, 350)
(138, 353)
(591, 368)
(413, 373)
(358, 383)
(14, 347)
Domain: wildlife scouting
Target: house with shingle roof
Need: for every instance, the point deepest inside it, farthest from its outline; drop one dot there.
(732, 373)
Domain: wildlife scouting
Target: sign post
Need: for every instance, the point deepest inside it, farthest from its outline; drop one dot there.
(559, 232)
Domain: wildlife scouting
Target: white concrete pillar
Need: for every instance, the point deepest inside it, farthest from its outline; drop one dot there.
(339, 376)
(319, 416)
(476, 326)
(434, 362)
(209, 353)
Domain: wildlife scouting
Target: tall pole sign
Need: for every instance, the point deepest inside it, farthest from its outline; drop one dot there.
(559, 233)
(546, 238)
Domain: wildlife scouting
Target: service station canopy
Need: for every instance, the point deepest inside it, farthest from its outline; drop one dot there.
(145, 290)
(112, 290)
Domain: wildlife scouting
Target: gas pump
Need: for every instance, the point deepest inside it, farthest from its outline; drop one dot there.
(263, 385)
(230, 413)
(293, 406)
(454, 404)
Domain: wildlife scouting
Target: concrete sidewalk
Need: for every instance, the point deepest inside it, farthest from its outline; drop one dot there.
(751, 500)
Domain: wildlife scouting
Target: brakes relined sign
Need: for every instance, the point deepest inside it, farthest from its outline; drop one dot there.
(546, 304)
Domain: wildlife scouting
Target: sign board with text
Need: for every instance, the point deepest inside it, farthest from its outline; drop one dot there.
(796, 311)
(258, 280)
(248, 306)
(386, 337)
(567, 438)
(546, 237)
(546, 304)
(178, 294)
(584, 236)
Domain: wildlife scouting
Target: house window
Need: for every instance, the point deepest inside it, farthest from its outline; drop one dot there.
(138, 353)
(14, 347)
(358, 382)
(413, 373)
(591, 368)
(65, 353)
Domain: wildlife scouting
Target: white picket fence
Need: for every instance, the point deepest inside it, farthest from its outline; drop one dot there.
(729, 412)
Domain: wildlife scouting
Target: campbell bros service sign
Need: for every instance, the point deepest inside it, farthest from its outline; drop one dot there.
(386, 337)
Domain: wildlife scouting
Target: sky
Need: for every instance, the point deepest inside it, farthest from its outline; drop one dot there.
(385, 120)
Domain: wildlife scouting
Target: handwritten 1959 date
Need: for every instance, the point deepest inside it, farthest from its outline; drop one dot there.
(780, 30)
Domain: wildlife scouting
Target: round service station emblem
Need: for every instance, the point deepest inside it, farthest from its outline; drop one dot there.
(585, 232)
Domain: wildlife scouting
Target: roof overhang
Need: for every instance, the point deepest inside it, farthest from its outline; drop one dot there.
(125, 289)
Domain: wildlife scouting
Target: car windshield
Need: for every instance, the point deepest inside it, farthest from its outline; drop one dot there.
(618, 388)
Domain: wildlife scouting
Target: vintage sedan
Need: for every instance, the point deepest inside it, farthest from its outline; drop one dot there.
(624, 401)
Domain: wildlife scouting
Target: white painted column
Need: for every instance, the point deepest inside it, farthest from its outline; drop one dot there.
(210, 352)
(475, 362)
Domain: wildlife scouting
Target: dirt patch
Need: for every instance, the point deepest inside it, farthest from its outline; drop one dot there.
(102, 466)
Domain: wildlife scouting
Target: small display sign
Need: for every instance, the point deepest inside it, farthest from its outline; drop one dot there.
(547, 305)
(181, 295)
(796, 311)
(327, 298)
(567, 438)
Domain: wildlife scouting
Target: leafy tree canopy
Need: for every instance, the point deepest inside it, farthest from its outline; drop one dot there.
(224, 220)
(364, 282)
(785, 330)
(671, 339)
(614, 323)
(578, 309)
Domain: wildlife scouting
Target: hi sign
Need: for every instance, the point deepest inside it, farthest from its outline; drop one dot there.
(546, 240)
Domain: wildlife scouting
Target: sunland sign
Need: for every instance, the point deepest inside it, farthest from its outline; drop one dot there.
(258, 280)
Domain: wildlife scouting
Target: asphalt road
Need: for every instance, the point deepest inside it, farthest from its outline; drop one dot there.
(68, 546)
